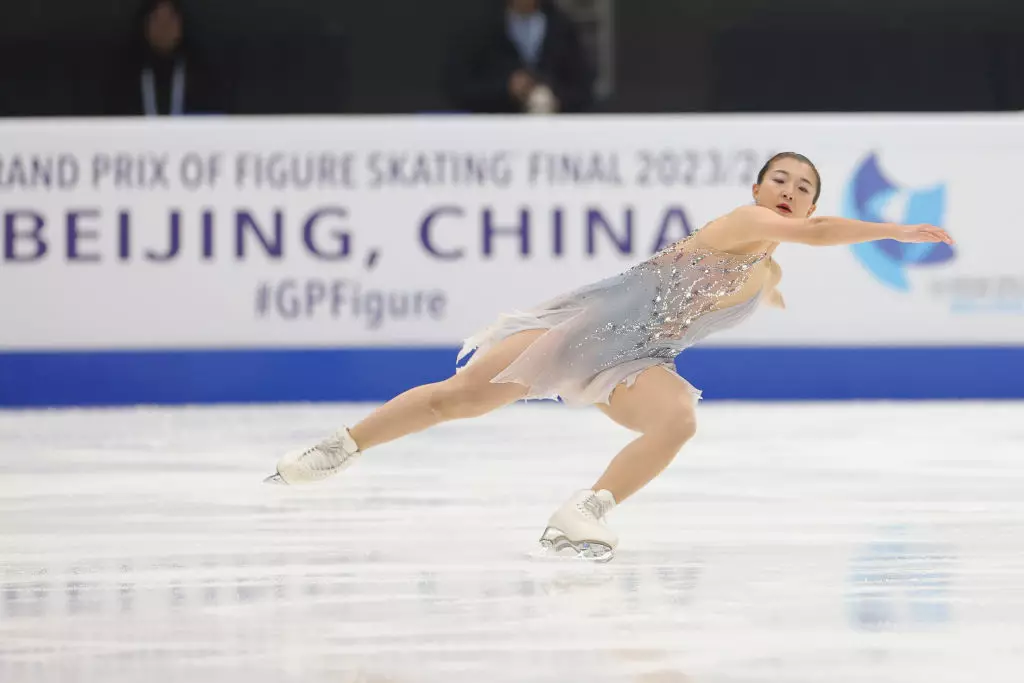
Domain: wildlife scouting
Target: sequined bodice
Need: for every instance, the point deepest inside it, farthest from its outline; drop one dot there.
(693, 282)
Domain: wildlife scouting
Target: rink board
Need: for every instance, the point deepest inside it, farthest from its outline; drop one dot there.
(760, 374)
(347, 258)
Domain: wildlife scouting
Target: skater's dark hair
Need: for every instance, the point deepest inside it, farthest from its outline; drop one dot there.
(798, 157)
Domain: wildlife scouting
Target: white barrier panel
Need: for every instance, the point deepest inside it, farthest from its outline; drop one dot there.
(417, 231)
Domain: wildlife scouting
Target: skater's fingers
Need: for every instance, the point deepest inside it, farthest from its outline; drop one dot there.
(939, 235)
(931, 233)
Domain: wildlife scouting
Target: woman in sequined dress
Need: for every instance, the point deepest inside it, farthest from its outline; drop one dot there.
(613, 343)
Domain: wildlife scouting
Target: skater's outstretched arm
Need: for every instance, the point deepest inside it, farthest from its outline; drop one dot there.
(749, 225)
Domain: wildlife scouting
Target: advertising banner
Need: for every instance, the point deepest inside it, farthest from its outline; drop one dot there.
(399, 232)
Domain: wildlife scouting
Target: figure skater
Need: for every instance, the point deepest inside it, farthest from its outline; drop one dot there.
(613, 343)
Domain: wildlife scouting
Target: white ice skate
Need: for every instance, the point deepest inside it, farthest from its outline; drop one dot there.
(579, 526)
(323, 460)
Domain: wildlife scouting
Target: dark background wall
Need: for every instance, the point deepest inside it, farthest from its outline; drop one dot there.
(385, 56)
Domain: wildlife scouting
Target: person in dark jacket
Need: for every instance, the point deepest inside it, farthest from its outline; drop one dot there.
(161, 73)
(527, 60)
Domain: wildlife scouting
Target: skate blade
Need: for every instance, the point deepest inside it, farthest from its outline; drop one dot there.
(275, 479)
(555, 545)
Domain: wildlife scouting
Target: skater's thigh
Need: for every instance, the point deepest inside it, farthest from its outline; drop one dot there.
(659, 399)
(481, 371)
(470, 392)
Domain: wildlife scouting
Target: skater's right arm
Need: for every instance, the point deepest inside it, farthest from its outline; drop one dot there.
(749, 224)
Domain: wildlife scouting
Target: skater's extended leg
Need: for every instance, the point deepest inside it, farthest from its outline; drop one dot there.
(661, 408)
(469, 393)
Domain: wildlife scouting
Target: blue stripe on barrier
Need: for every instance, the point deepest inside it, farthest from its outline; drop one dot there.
(94, 378)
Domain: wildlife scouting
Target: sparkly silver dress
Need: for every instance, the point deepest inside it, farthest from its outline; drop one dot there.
(610, 331)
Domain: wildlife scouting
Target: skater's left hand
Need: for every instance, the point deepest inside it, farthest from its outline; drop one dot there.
(775, 299)
(922, 232)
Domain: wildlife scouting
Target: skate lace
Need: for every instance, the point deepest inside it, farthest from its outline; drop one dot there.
(596, 507)
(329, 454)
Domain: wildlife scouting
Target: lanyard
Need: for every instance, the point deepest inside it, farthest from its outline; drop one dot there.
(177, 91)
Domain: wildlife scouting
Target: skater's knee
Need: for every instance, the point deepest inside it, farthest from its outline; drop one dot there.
(677, 425)
(455, 399)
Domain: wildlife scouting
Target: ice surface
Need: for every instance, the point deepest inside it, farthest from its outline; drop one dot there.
(788, 542)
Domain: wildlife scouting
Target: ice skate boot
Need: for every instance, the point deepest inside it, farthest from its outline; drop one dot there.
(323, 460)
(579, 526)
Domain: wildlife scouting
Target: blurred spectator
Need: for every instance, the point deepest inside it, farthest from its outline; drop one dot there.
(528, 58)
(161, 73)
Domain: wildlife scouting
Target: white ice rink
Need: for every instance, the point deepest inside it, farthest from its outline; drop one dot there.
(788, 543)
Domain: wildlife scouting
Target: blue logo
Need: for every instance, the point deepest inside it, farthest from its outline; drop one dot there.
(871, 196)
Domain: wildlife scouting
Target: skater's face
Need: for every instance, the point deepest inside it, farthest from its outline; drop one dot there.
(788, 188)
